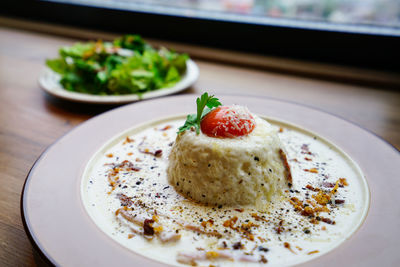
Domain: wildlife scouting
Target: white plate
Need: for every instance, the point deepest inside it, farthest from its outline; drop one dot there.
(60, 228)
(49, 82)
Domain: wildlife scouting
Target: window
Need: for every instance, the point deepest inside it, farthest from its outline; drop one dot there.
(363, 33)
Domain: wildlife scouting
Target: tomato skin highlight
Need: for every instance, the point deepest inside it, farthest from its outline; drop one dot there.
(227, 122)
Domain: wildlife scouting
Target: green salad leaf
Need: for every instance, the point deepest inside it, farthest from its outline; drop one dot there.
(128, 65)
(205, 104)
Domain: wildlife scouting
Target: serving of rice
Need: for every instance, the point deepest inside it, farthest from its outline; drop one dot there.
(246, 170)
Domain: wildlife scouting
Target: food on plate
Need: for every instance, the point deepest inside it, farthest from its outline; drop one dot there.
(127, 190)
(228, 156)
(128, 65)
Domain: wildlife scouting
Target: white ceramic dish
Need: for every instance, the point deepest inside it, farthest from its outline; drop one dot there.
(49, 82)
(56, 220)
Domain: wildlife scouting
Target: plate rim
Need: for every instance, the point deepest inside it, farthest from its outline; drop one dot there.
(48, 259)
(190, 77)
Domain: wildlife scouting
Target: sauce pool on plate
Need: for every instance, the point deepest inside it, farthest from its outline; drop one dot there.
(126, 192)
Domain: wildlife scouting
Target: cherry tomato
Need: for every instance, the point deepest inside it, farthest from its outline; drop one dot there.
(227, 122)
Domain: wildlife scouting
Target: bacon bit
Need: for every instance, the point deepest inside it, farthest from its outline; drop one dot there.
(148, 227)
(263, 259)
(297, 204)
(129, 153)
(138, 160)
(231, 222)
(280, 129)
(224, 245)
(279, 230)
(328, 184)
(261, 239)
(125, 200)
(247, 226)
(249, 236)
(244, 228)
(197, 229)
(128, 140)
(166, 128)
(312, 188)
(308, 159)
(205, 223)
(110, 155)
(287, 245)
(305, 149)
(321, 209)
(287, 166)
(126, 165)
(313, 170)
(237, 246)
(339, 201)
(327, 220)
(130, 236)
(322, 198)
(343, 181)
(335, 188)
(258, 218)
(239, 210)
(158, 153)
(323, 228)
(307, 211)
(312, 252)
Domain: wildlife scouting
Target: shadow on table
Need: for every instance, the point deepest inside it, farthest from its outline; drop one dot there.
(86, 110)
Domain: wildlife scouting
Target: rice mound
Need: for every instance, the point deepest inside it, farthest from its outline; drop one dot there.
(229, 171)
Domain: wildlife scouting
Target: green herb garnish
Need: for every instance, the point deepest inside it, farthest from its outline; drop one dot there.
(128, 65)
(205, 104)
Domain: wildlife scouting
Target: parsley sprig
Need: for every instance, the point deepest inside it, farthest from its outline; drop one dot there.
(205, 104)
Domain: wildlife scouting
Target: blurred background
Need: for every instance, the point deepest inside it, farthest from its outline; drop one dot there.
(361, 33)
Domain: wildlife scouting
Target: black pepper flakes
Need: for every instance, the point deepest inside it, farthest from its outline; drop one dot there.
(148, 227)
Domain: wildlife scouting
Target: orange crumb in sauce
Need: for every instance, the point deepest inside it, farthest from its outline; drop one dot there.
(312, 170)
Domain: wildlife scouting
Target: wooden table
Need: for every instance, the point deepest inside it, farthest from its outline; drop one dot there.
(30, 120)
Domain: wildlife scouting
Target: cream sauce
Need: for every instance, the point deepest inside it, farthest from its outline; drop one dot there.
(288, 236)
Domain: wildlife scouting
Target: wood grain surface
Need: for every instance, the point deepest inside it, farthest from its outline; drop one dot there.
(30, 120)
